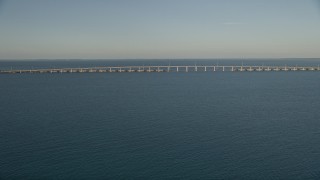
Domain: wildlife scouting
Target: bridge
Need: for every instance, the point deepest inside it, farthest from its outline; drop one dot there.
(122, 69)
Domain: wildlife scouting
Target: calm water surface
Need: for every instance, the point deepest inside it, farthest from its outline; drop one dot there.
(205, 125)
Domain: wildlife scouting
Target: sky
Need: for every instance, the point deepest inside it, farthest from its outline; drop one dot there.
(159, 29)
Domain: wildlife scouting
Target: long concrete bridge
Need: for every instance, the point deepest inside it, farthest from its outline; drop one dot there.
(111, 69)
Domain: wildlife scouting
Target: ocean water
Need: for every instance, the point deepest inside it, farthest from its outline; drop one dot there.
(204, 125)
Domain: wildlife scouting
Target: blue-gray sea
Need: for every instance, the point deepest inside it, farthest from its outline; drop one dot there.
(196, 125)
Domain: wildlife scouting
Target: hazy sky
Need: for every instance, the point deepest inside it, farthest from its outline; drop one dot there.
(159, 29)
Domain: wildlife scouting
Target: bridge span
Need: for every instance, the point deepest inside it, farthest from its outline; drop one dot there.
(131, 69)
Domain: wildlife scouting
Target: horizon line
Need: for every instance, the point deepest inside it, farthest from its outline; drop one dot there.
(239, 58)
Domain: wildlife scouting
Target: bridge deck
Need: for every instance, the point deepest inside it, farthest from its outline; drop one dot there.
(163, 69)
